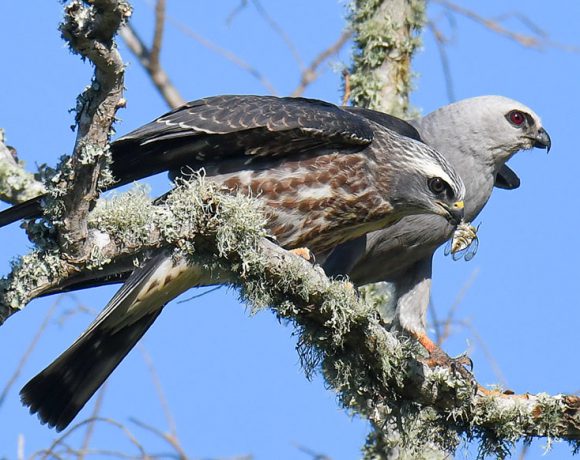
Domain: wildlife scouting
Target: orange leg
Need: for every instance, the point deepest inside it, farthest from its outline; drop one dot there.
(427, 343)
(437, 357)
(304, 253)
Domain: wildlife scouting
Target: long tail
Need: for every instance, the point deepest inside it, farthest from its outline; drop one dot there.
(61, 390)
(25, 210)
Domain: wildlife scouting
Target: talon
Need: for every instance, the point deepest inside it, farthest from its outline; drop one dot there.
(304, 253)
(437, 357)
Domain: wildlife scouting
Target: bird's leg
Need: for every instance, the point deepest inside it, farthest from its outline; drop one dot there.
(437, 357)
(304, 253)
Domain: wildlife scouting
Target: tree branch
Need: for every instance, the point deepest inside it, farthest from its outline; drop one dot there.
(375, 373)
(386, 36)
(16, 184)
(538, 42)
(310, 74)
(157, 74)
(89, 29)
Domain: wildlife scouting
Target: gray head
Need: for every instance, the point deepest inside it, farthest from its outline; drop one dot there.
(478, 135)
(424, 180)
(484, 125)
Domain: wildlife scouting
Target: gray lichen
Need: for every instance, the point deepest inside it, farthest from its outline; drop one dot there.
(16, 184)
(386, 37)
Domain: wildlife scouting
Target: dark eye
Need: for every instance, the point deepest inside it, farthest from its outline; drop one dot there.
(516, 117)
(437, 185)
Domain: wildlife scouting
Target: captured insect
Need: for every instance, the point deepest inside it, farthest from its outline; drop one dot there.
(464, 242)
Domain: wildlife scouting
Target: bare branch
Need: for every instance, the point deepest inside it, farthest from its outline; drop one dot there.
(227, 54)
(281, 32)
(456, 303)
(167, 437)
(60, 441)
(441, 43)
(537, 42)
(157, 74)
(158, 35)
(346, 84)
(92, 422)
(31, 347)
(160, 393)
(310, 74)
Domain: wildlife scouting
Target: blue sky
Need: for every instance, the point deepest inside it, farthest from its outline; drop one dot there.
(233, 381)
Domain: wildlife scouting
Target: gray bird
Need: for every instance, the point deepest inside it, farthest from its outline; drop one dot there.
(478, 136)
(324, 174)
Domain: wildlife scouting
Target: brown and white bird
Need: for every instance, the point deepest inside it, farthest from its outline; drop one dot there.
(324, 174)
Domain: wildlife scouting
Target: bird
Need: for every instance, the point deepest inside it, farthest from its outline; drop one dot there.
(323, 174)
(478, 136)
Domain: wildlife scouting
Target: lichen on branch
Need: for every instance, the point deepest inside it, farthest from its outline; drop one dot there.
(386, 35)
(16, 184)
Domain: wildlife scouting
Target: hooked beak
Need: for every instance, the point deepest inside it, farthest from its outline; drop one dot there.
(543, 140)
(453, 213)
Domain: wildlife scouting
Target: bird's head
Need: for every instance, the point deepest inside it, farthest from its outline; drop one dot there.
(491, 127)
(427, 183)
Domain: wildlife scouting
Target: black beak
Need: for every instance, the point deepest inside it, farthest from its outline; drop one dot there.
(543, 140)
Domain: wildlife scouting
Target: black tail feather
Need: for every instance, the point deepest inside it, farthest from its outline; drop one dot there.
(61, 390)
(25, 210)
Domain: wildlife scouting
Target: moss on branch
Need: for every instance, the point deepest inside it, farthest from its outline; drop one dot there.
(374, 373)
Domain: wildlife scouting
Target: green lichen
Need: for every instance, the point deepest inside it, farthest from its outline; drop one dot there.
(383, 51)
(16, 184)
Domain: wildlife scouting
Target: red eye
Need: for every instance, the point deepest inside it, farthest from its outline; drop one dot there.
(516, 117)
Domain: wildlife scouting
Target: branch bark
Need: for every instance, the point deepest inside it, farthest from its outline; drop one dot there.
(375, 373)
(386, 36)
(89, 28)
(16, 184)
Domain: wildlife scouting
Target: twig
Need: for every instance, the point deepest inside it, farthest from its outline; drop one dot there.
(243, 4)
(499, 375)
(346, 80)
(158, 35)
(93, 419)
(167, 437)
(281, 32)
(157, 74)
(312, 453)
(31, 347)
(197, 296)
(160, 393)
(458, 299)
(528, 41)
(441, 42)
(48, 453)
(310, 74)
(227, 54)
